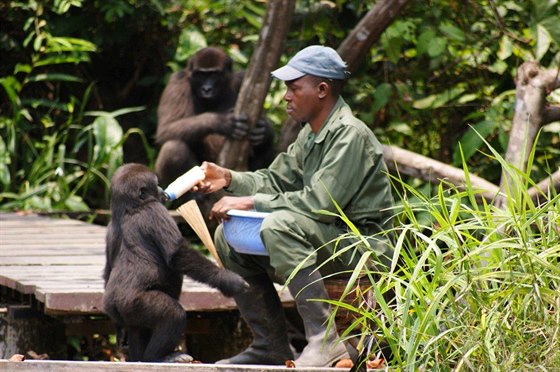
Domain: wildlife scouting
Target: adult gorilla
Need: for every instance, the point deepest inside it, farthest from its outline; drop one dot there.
(195, 116)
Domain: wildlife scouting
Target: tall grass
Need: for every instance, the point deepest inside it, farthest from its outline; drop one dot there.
(471, 286)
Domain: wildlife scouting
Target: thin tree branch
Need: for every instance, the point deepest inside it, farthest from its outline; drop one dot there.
(544, 187)
(419, 166)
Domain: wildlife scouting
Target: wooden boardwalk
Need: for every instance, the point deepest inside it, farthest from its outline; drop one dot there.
(56, 366)
(55, 266)
(59, 264)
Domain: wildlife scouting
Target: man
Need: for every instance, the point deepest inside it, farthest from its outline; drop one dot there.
(334, 158)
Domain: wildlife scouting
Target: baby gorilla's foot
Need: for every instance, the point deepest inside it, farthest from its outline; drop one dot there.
(177, 357)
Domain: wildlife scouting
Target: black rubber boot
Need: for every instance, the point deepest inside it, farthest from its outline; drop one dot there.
(262, 310)
(323, 348)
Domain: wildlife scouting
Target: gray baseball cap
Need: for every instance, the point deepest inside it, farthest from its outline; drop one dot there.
(314, 60)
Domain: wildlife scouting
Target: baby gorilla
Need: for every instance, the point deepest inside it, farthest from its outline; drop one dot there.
(146, 258)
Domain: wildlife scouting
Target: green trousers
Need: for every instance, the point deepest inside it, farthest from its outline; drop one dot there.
(290, 238)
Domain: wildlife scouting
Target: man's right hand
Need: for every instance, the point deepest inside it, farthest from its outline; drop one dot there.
(216, 178)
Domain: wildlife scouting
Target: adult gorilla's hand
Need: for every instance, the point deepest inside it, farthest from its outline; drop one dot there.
(240, 127)
(257, 134)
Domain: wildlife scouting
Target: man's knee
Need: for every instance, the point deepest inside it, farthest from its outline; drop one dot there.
(278, 223)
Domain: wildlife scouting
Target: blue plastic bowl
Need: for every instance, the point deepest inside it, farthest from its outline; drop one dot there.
(242, 231)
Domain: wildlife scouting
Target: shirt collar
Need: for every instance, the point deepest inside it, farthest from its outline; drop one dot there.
(335, 113)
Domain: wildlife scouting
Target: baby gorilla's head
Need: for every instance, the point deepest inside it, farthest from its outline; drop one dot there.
(134, 185)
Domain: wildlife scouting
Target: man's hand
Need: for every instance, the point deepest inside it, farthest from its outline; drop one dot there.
(216, 178)
(225, 204)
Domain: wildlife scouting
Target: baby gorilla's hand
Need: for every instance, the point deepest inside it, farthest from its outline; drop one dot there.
(232, 283)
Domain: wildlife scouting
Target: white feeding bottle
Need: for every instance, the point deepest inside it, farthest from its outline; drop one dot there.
(184, 183)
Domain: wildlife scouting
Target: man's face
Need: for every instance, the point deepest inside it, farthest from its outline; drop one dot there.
(302, 96)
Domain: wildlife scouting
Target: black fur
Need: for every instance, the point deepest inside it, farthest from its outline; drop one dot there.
(146, 257)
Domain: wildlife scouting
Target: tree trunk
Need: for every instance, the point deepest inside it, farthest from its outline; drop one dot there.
(257, 79)
(533, 84)
(353, 50)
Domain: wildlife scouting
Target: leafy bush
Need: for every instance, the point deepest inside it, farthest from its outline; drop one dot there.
(52, 153)
(471, 286)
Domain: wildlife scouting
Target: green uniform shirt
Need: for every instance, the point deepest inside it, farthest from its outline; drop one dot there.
(344, 159)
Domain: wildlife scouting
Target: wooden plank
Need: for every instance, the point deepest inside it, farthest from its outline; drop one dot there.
(73, 366)
(75, 259)
(64, 236)
(17, 226)
(51, 251)
(60, 262)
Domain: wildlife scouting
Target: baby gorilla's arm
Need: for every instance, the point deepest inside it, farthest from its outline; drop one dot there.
(195, 265)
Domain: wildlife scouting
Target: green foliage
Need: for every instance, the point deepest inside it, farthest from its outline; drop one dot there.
(450, 66)
(440, 71)
(51, 156)
(470, 287)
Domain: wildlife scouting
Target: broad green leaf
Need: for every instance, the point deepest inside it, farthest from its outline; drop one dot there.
(505, 48)
(107, 132)
(401, 127)
(5, 160)
(57, 59)
(190, 41)
(392, 48)
(54, 77)
(465, 98)
(543, 42)
(541, 8)
(75, 203)
(452, 32)
(69, 44)
(498, 67)
(382, 95)
(62, 6)
(425, 102)
(448, 95)
(22, 67)
(437, 46)
(552, 25)
(11, 87)
(471, 141)
(438, 100)
(424, 41)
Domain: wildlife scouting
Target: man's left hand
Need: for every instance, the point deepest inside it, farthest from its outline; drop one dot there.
(227, 203)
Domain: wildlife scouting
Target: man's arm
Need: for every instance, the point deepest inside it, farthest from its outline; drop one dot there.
(216, 178)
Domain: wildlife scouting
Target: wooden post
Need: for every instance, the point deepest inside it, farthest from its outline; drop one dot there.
(257, 79)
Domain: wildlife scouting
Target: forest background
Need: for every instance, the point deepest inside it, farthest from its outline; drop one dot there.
(82, 80)
(474, 285)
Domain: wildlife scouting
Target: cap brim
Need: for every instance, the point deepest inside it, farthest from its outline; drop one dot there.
(287, 73)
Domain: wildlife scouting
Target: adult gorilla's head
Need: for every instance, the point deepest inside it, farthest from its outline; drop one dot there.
(210, 72)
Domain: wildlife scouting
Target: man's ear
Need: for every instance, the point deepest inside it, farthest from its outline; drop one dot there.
(324, 90)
